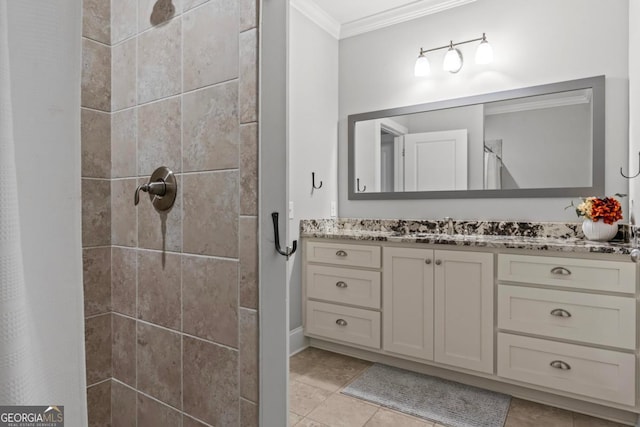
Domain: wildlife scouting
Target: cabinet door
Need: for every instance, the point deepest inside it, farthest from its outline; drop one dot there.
(407, 302)
(464, 309)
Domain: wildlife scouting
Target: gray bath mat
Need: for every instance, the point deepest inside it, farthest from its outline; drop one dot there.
(446, 402)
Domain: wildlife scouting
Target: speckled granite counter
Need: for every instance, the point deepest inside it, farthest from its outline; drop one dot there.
(548, 236)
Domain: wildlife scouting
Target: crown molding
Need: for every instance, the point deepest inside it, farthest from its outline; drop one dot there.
(398, 15)
(316, 14)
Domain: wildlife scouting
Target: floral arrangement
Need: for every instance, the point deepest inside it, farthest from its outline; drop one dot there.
(607, 209)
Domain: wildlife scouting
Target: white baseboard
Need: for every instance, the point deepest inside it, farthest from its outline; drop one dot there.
(297, 341)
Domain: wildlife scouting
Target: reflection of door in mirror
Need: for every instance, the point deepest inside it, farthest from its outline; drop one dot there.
(379, 144)
(436, 161)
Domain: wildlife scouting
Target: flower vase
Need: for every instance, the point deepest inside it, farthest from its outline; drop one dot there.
(599, 231)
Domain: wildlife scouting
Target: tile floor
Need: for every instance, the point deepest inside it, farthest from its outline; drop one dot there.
(317, 377)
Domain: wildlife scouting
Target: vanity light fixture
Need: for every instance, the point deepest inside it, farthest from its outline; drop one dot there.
(453, 59)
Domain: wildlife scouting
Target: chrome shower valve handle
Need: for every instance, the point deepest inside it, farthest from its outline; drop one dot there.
(162, 188)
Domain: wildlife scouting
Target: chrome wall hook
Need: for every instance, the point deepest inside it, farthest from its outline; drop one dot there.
(364, 187)
(638, 174)
(313, 181)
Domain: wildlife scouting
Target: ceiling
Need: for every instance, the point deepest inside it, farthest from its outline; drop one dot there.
(346, 18)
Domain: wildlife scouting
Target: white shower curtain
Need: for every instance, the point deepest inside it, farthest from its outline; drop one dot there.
(17, 368)
(41, 307)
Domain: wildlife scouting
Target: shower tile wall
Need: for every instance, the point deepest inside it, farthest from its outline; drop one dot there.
(171, 298)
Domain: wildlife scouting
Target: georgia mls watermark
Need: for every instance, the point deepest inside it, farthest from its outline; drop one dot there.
(32, 416)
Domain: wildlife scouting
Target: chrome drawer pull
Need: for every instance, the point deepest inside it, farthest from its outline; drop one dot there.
(341, 284)
(341, 253)
(559, 364)
(559, 312)
(341, 322)
(560, 271)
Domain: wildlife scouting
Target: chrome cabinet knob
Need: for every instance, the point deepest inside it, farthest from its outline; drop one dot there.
(559, 364)
(438, 262)
(427, 261)
(635, 255)
(341, 322)
(559, 312)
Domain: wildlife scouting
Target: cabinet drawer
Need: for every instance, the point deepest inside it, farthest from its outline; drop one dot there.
(344, 254)
(344, 285)
(346, 324)
(613, 276)
(601, 374)
(596, 319)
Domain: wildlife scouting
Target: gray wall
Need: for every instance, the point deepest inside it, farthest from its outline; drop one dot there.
(566, 49)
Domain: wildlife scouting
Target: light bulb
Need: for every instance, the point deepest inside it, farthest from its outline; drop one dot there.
(452, 60)
(484, 53)
(422, 67)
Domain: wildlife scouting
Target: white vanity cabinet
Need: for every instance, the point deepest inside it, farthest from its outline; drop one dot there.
(563, 298)
(552, 327)
(438, 305)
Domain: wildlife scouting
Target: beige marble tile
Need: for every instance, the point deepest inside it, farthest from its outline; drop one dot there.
(124, 268)
(159, 136)
(124, 215)
(210, 299)
(249, 346)
(210, 56)
(96, 20)
(156, 12)
(154, 414)
(96, 75)
(96, 144)
(384, 418)
(248, 252)
(96, 263)
(580, 420)
(248, 414)
(304, 398)
(123, 75)
(211, 382)
(294, 419)
(248, 14)
(159, 365)
(160, 230)
(98, 348)
(96, 212)
(124, 349)
(210, 128)
(123, 401)
(124, 134)
(159, 61)
(248, 88)
(308, 422)
(99, 405)
(303, 362)
(332, 377)
(187, 421)
(249, 169)
(343, 411)
(124, 20)
(190, 4)
(159, 288)
(210, 214)
(523, 413)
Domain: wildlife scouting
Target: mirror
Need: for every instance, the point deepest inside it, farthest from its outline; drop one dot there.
(542, 141)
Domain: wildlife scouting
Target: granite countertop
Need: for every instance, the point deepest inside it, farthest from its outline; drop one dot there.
(559, 237)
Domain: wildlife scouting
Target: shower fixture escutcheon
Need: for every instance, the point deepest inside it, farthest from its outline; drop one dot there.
(162, 188)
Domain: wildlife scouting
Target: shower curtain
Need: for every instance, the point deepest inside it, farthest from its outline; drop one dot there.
(41, 303)
(17, 370)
